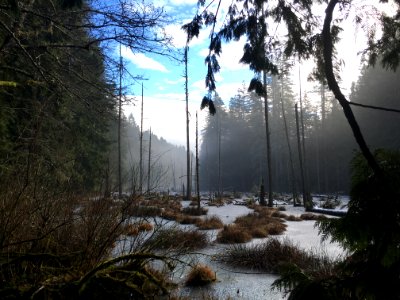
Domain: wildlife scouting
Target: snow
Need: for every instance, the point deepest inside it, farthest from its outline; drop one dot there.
(234, 283)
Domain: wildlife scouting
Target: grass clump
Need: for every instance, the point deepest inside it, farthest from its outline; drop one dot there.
(200, 275)
(233, 234)
(178, 239)
(312, 217)
(272, 255)
(208, 223)
(194, 211)
(258, 224)
(135, 229)
(293, 218)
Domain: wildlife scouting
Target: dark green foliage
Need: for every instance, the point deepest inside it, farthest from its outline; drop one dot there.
(370, 230)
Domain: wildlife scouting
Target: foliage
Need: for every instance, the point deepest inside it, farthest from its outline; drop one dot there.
(369, 230)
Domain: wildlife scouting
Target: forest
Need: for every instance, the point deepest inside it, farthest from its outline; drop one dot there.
(95, 206)
(329, 144)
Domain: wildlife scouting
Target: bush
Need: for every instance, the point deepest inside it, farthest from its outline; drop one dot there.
(200, 275)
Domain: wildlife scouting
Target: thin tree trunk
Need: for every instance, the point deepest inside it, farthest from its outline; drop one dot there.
(303, 187)
(188, 171)
(219, 159)
(293, 183)
(333, 85)
(119, 125)
(149, 166)
(141, 148)
(303, 143)
(197, 163)
(267, 132)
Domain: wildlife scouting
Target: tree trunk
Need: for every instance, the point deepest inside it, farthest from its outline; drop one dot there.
(149, 166)
(267, 132)
(303, 187)
(333, 85)
(292, 180)
(188, 172)
(119, 125)
(197, 164)
(141, 148)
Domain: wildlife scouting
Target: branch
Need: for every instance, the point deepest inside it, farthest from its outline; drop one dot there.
(374, 107)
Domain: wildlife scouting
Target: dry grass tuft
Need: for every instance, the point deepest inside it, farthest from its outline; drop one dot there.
(200, 275)
(233, 234)
(208, 223)
(185, 220)
(274, 253)
(258, 224)
(293, 218)
(178, 239)
(194, 211)
(312, 217)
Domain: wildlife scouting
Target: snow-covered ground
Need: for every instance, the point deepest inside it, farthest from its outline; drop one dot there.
(233, 283)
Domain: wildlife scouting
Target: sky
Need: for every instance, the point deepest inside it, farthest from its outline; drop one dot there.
(163, 89)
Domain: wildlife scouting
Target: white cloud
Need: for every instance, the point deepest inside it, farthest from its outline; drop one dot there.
(179, 36)
(142, 61)
(174, 82)
(231, 54)
(166, 115)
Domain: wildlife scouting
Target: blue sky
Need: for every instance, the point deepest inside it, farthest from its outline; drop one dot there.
(164, 106)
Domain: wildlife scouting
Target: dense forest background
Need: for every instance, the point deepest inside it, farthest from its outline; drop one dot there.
(233, 152)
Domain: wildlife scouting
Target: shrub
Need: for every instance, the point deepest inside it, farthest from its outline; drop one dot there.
(200, 275)
(233, 234)
(212, 222)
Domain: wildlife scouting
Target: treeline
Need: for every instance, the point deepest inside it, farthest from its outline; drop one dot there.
(163, 168)
(233, 152)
